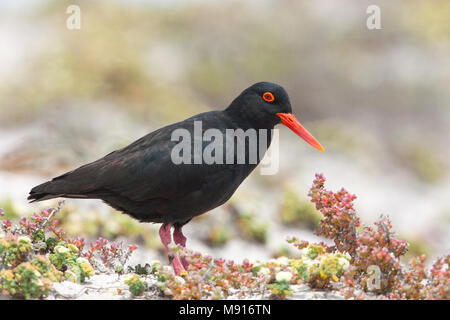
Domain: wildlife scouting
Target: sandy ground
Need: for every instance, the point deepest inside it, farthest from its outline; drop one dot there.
(101, 287)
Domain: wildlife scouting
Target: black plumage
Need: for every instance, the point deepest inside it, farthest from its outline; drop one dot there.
(141, 179)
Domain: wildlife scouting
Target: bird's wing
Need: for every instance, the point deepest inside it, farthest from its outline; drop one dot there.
(141, 171)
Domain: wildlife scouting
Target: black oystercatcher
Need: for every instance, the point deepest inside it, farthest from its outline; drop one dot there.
(144, 181)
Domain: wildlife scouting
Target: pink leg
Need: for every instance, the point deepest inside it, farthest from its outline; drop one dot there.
(166, 239)
(180, 240)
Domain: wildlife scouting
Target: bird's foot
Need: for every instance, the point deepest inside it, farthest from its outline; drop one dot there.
(177, 266)
(180, 240)
(166, 239)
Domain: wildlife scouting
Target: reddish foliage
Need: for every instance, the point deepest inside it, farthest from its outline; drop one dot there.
(340, 221)
(375, 264)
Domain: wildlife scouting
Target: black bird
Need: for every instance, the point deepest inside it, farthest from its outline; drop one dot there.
(143, 180)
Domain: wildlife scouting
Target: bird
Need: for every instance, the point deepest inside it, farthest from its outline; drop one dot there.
(146, 181)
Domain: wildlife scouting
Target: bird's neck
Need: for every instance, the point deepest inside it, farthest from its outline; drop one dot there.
(244, 119)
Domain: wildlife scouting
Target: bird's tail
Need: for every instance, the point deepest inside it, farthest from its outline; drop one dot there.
(79, 184)
(44, 191)
(60, 186)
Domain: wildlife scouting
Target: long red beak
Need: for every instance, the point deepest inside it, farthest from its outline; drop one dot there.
(289, 121)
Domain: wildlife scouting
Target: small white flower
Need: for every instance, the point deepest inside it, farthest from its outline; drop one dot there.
(179, 280)
(69, 275)
(283, 276)
(306, 258)
(347, 255)
(82, 260)
(255, 263)
(127, 277)
(303, 252)
(24, 239)
(62, 249)
(311, 263)
(264, 271)
(344, 263)
(283, 261)
(38, 282)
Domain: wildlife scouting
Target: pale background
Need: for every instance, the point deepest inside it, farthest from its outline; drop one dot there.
(378, 100)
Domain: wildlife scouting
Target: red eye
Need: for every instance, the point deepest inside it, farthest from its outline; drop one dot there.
(268, 96)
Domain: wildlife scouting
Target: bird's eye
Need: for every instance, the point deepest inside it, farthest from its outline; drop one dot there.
(268, 96)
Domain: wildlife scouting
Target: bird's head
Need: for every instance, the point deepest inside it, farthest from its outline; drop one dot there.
(267, 104)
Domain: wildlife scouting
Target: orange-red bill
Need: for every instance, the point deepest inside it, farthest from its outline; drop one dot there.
(291, 122)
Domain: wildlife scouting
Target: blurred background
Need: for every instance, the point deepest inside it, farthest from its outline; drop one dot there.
(377, 100)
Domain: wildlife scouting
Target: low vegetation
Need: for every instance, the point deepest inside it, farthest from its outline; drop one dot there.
(363, 262)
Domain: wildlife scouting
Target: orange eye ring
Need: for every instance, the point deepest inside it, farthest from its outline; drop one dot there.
(268, 96)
